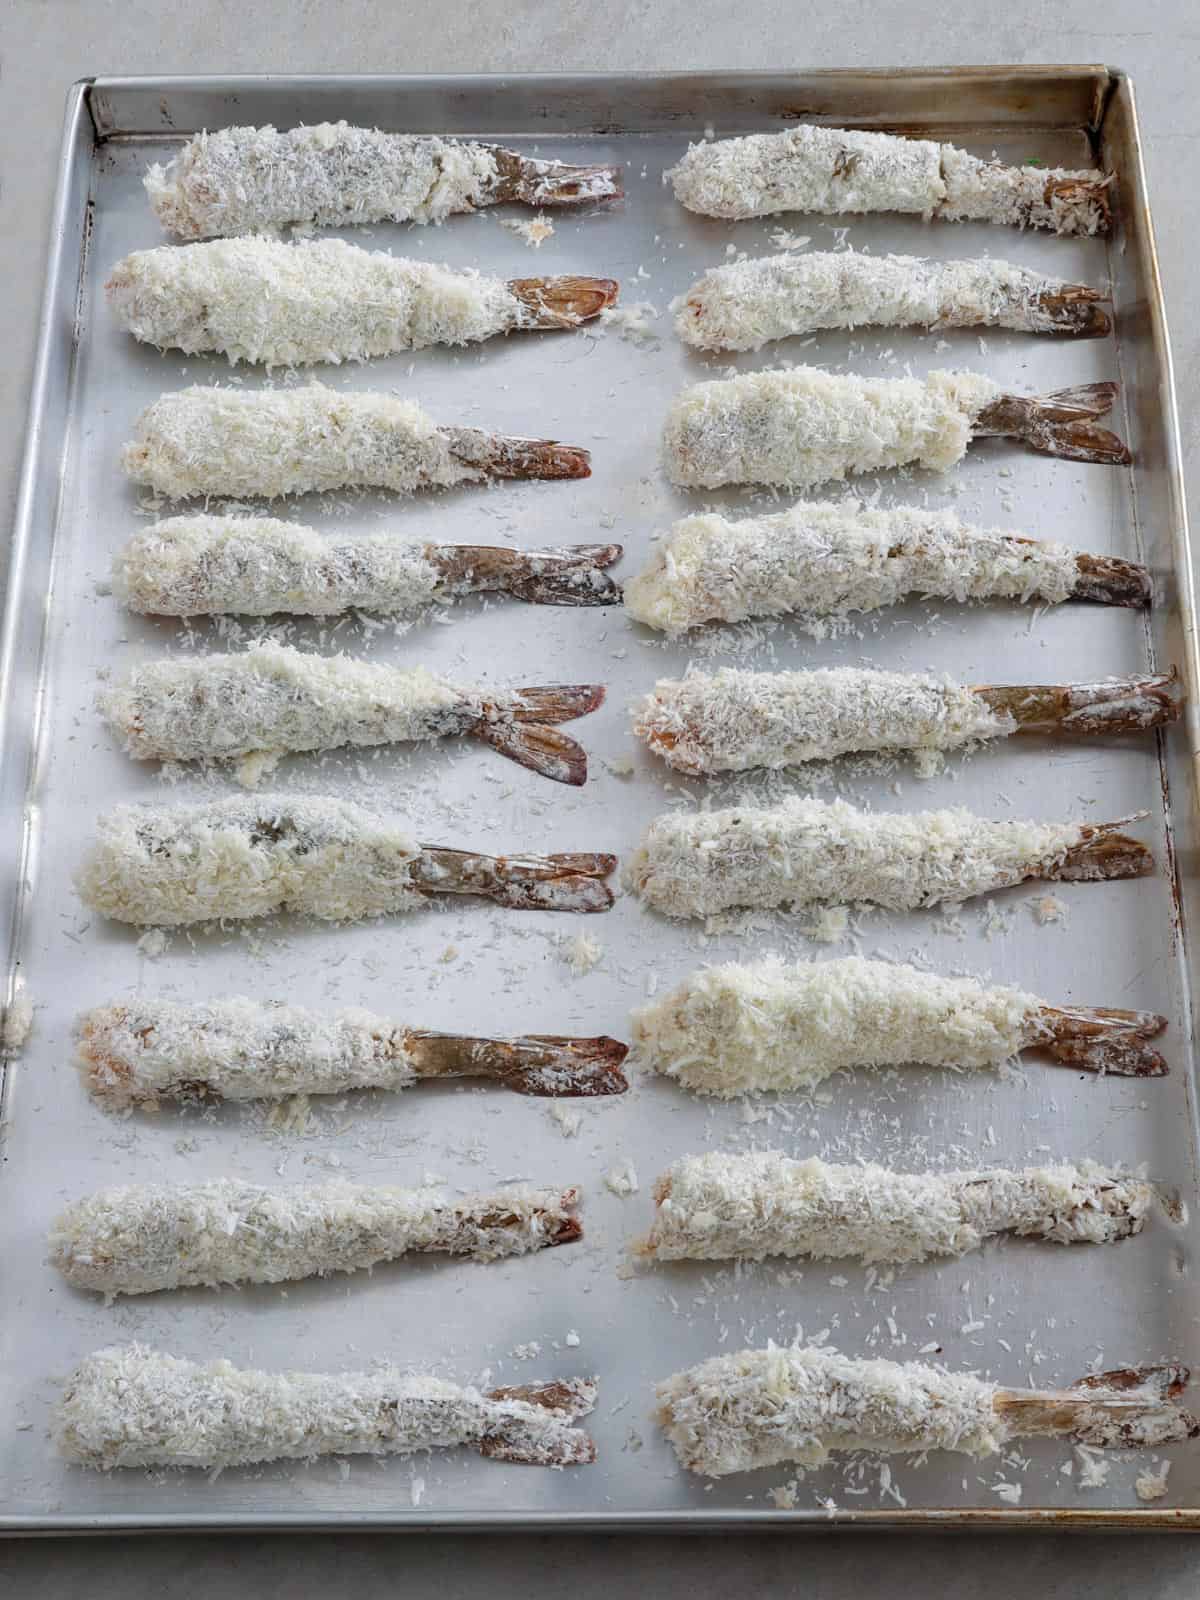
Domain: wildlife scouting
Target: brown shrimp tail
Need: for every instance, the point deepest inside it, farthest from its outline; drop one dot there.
(1073, 309)
(557, 702)
(563, 575)
(561, 1227)
(547, 751)
(1101, 1040)
(514, 1439)
(497, 456)
(548, 1065)
(562, 302)
(567, 882)
(1103, 851)
(1088, 710)
(1058, 424)
(552, 183)
(1110, 582)
(1092, 194)
(1126, 1408)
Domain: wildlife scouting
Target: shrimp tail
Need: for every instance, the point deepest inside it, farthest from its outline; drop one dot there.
(552, 183)
(1088, 710)
(1058, 424)
(1103, 851)
(1129, 1407)
(562, 575)
(1102, 1040)
(562, 302)
(515, 1439)
(565, 882)
(547, 1065)
(1112, 582)
(1070, 308)
(497, 456)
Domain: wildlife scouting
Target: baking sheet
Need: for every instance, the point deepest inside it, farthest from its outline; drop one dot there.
(1017, 1311)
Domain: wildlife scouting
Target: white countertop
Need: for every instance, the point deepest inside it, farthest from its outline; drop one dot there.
(44, 46)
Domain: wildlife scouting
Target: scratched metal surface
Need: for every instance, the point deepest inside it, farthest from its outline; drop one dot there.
(1019, 1312)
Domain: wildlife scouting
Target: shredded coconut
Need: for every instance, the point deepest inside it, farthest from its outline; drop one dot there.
(239, 180)
(804, 426)
(16, 1022)
(133, 1407)
(534, 230)
(1049, 908)
(806, 850)
(825, 559)
(716, 1207)
(746, 304)
(733, 720)
(275, 698)
(839, 171)
(622, 1180)
(257, 566)
(165, 866)
(269, 442)
(582, 954)
(137, 1240)
(771, 1025)
(634, 322)
(762, 1408)
(145, 1050)
(1153, 1485)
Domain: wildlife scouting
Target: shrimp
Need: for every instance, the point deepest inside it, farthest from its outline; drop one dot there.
(746, 304)
(258, 566)
(142, 1052)
(759, 1408)
(265, 301)
(840, 171)
(772, 1025)
(718, 1207)
(134, 1407)
(242, 180)
(804, 426)
(269, 442)
(272, 699)
(168, 866)
(806, 851)
(825, 559)
(733, 720)
(139, 1239)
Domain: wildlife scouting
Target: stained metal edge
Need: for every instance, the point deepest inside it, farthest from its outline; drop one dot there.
(948, 1520)
(86, 99)
(15, 774)
(849, 97)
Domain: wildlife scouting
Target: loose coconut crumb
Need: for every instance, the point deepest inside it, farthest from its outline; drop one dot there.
(1093, 1468)
(620, 766)
(581, 954)
(153, 943)
(633, 322)
(1049, 908)
(18, 1022)
(534, 230)
(1153, 1485)
(568, 1121)
(622, 1180)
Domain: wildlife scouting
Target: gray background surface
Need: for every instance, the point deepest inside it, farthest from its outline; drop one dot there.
(44, 45)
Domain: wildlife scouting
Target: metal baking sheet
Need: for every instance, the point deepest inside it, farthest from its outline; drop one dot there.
(1019, 1312)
